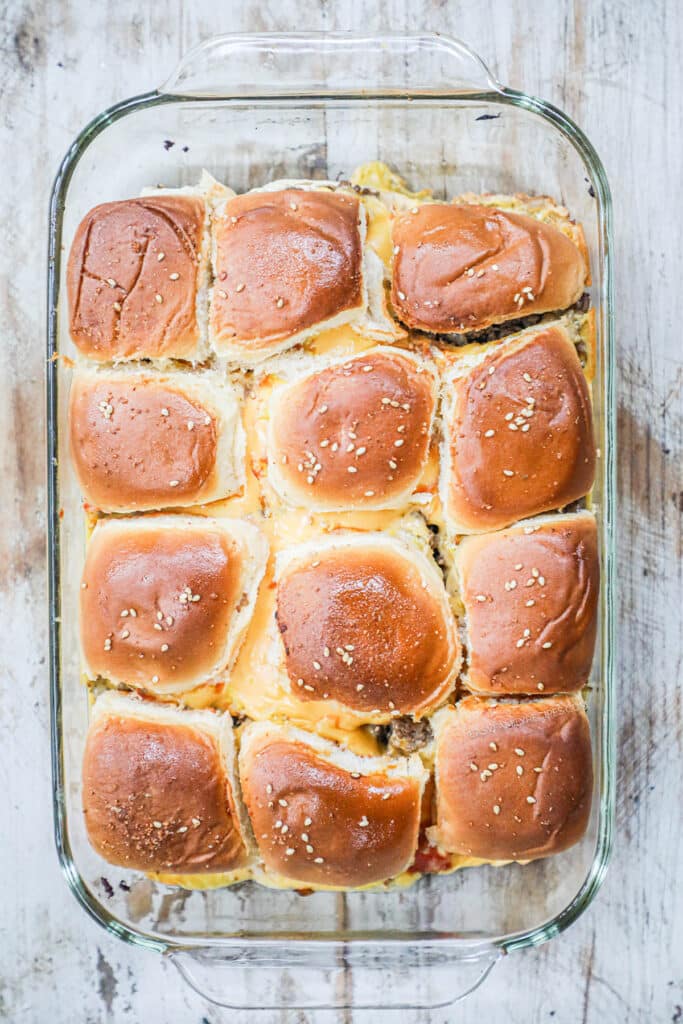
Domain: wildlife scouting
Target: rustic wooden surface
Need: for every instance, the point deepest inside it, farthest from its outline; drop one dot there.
(615, 66)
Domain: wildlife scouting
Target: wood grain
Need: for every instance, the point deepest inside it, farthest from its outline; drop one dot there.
(615, 66)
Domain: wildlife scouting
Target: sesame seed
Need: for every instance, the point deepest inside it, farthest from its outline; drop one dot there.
(493, 746)
(541, 581)
(155, 679)
(401, 296)
(157, 824)
(547, 645)
(489, 433)
(399, 443)
(111, 282)
(173, 483)
(481, 597)
(525, 428)
(530, 603)
(493, 766)
(223, 294)
(164, 411)
(531, 799)
(364, 822)
(207, 421)
(240, 287)
(173, 277)
(161, 256)
(473, 767)
(361, 451)
(494, 266)
(117, 307)
(509, 415)
(280, 303)
(496, 809)
(317, 666)
(308, 821)
(414, 209)
(164, 648)
(527, 377)
(318, 860)
(289, 851)
(125, 634)
(157, 626)
(369, 494)
(469, 273)
(351, 469)
(519, 769)
(540, 686)
(519, 752)
(508, 472)
(323, 409)
(293, 206)
(282, 803)
(158, 298)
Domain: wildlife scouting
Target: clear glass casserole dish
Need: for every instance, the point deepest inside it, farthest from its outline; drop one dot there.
(250, 109)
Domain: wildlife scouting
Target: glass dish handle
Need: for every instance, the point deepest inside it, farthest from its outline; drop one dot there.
(331, 63)
(310, 979)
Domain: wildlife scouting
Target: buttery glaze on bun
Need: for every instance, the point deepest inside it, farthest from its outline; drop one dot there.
(530, 595)
(513, 779)
(365, 620)
(460, 268)
(288, 263)
(323, 816)
(159, 790)
(146, 440)
(136, 279)
(165, 600)
(354, 435)
(518, 431)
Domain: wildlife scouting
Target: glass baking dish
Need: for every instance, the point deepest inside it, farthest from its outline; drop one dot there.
(251, 108)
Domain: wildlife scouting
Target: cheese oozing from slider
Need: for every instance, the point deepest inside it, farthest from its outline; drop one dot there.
(530, 598)
(289, 263)
(365, 620)
(323, 816)
(143, 440)
(513, 778)
(137, 278)
(517, 429)
(462, 267)
(355, 434)
(159, 789)
(165, 600)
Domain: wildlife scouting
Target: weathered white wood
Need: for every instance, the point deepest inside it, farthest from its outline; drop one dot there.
(615, 66)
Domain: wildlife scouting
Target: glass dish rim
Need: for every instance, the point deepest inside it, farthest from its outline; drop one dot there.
(459, 948)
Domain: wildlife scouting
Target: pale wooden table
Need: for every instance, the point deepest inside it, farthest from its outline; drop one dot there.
(616, 68)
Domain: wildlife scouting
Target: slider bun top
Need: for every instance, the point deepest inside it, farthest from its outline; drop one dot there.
(324, 816)
(165, 600)
(142, 440)
(354, 435)
(530, 595)
(518, 431)
(460, 268)
(288, 263)
(513, 779)
(158, 787)
(365, 620)
(134, 276)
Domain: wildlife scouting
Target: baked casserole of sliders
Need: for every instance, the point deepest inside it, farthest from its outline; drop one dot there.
(339, 595)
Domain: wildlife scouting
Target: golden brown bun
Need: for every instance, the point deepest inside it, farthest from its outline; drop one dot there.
(165, 600)
(323, 816)
(158, 790)
(513, 779)
(134, 272)
(461, 268)
(365, 620)
(531, 603)
(355, 434)
(518, 432)
(149, 441)
(286, 264)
